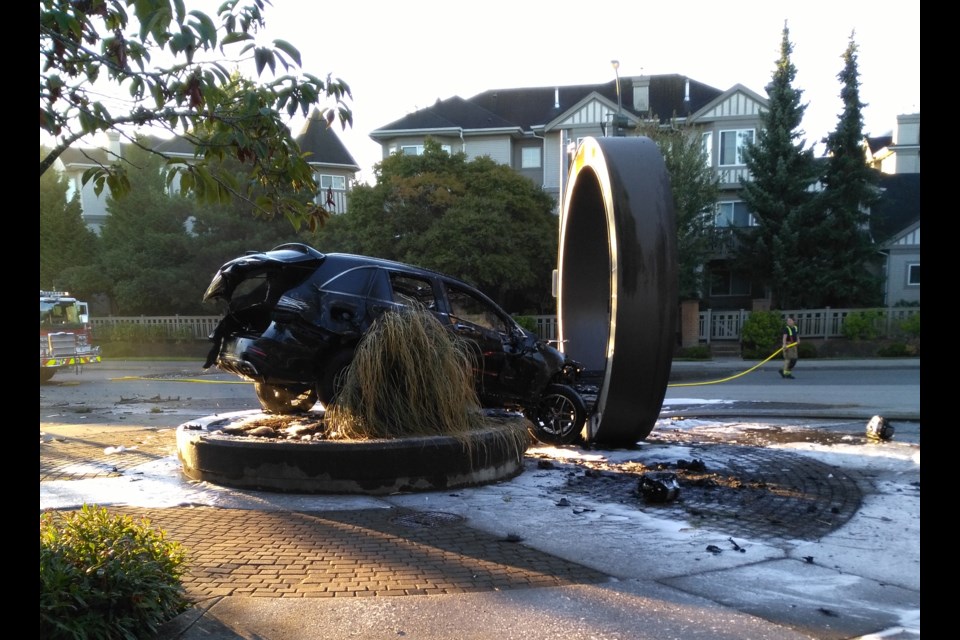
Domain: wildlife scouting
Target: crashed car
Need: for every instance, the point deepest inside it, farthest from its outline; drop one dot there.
(295, 316)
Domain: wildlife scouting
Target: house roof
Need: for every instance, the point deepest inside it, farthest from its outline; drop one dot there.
(876, 143)
(315, 138)
(899, 207)
(527, 108)
(320, 141)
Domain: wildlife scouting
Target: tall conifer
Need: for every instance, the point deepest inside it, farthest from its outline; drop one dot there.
(779, 191)
(849, 190)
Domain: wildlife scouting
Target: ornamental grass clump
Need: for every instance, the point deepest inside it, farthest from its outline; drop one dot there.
(106, 577)
(409, 377)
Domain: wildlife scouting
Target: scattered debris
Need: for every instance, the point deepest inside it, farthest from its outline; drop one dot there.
(714, 549)
(736, 547)
(692, 465)
(658, 486)
(828, 612)
(111, 450)
(563, 502)
(808, 559)
(879, 429)
(513, 537)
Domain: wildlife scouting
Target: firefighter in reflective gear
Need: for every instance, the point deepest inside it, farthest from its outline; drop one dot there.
(791, 348)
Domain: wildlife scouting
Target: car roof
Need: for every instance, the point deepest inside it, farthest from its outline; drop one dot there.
(397, 266)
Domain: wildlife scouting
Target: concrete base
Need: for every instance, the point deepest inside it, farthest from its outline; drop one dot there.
(373, 467)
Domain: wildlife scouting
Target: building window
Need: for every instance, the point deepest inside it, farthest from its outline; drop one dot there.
(337, 183)
(913, 275)
(733, 214)
(727, 283)
(417, 149)
(530, 158)
(706, 146)
(732, 145)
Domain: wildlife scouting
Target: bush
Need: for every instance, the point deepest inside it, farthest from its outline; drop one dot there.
(806, 350)
(133, 332)
(409, 377)
(898, 350)
(761, 334)
(699, 352)
(527, 322)
(910, 327)
(106, 577)
(863, 325)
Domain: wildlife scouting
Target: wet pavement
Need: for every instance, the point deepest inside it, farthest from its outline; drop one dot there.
(755, 517)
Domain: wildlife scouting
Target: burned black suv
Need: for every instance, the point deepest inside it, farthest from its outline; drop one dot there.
(295, 316)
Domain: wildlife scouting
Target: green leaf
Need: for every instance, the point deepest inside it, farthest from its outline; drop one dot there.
(264, 58)
(234, 37)
(206, 29)
(288, 49)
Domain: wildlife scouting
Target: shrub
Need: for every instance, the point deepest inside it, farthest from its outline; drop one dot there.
(898, 350)
(910, 326)
(527, 322)
(863, 325)
(806, 350)
(761, 334)
(699, 352)
(133, 332)
(409, 377)
(106, 577)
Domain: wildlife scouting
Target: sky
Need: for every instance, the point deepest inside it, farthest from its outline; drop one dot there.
(400, 57)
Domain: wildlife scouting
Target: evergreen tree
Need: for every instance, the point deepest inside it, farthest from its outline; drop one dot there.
(695, 190)
(146, 257)
(849, 190)
(778, 193)
(65, 241)
(477, 220)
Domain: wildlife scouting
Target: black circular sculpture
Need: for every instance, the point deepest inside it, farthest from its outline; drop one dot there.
(617, 282)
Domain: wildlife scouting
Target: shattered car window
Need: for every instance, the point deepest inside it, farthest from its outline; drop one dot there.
(469, 308)
(410, 291)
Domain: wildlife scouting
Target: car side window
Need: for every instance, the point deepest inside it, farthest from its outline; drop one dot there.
(469, 308)
(352, 281)
(411, 290)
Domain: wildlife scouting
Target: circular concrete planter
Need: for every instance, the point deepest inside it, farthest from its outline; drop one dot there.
(372, 467)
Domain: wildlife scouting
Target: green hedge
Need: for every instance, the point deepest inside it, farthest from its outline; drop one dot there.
(106, 577)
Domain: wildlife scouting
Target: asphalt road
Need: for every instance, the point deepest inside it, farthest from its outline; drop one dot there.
(170, 392)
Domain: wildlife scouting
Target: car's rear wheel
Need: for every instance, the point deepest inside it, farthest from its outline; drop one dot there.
(559, 416)
(331, 380)
(46, 374)
(285, 400)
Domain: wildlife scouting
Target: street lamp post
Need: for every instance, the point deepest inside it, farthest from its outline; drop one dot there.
(616, 70)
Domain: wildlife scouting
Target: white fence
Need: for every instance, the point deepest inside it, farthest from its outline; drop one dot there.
(720, 326)
(715, 326)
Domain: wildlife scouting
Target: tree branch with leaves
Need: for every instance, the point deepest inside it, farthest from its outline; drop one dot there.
(179, 71)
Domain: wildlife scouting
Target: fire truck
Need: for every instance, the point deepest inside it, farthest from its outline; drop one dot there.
(65, 334)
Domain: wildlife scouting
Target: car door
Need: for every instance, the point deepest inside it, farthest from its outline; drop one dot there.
(478, 321)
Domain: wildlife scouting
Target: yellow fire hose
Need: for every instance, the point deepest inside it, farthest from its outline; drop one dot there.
(742, 373)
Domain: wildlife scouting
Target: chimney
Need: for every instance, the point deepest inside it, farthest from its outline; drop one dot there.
(641, 94)
(556, 98)
(113, 149)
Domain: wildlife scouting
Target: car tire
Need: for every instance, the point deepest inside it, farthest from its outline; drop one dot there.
(332, 377)
(285, 400)
(46, 374)
(559, 416)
